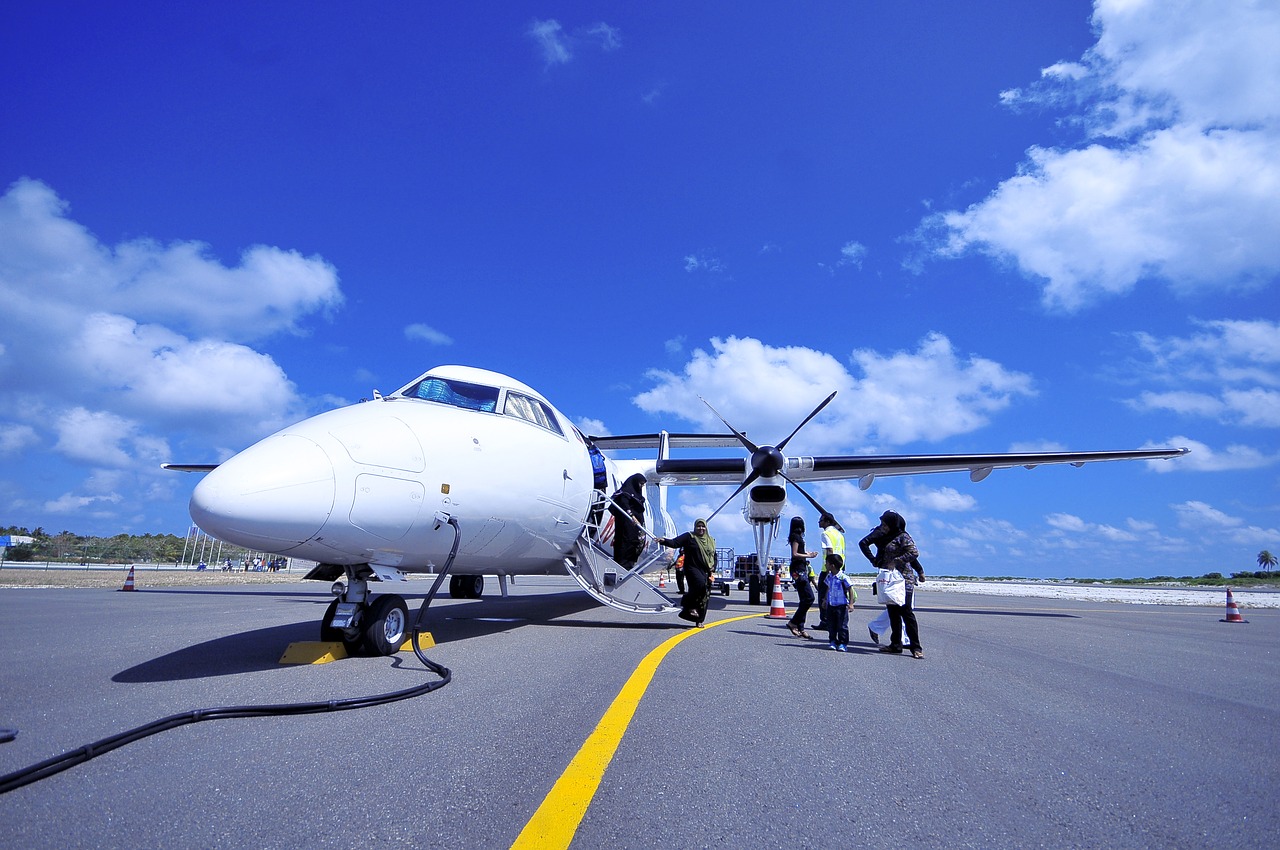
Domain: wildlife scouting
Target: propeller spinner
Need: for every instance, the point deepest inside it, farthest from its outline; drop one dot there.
(768, 461)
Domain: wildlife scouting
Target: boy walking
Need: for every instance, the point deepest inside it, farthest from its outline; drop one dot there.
(840, 599)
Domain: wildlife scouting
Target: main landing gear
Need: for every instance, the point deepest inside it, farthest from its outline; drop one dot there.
(466, 587)
(366, 625)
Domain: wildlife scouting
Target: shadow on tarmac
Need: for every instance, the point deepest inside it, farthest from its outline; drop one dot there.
(260, 649)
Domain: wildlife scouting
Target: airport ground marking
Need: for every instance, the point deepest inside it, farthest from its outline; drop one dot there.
(556, 820)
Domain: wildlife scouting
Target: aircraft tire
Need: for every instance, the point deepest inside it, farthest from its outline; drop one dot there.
(455, 587)
(474, 586)
(386, 625)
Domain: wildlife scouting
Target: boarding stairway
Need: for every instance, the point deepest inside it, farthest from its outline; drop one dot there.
(592, 565)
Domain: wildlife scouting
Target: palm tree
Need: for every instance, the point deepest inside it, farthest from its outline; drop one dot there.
(1266, 560)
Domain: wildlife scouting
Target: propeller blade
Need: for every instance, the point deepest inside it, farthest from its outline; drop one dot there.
(816, 411)
(741, 436)
(744, 485)
(805, 493)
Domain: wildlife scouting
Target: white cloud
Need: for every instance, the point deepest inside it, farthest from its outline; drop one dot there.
(1202, 517)
(932, 393)
(70, 503)
(942, 500)
(703, 262)
(551, 41)
(426, 333)
(1187, 188)
(1234, 361)
(927, 394)
(558, 47)
(137, 335)
(16, 438)
(1067, 522)
(609, 38)
(94, 437)
(852, 254)
(50, 265)
(593, 427)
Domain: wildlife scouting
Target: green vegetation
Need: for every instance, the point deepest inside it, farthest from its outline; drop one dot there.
(67, 547)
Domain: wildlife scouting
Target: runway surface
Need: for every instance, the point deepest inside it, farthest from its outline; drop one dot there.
(1031, 722)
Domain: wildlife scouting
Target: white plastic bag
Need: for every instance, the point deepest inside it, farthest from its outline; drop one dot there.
(891, 588)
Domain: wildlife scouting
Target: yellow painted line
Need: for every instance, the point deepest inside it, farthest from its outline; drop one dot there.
(556, 820)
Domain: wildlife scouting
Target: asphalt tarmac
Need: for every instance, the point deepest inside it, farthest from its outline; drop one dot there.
(1030, 723)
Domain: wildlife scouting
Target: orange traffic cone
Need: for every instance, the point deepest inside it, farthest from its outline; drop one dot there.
(777, 608)
(1233, 611)
(128, 580)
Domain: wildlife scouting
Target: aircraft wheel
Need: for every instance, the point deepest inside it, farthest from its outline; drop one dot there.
(386, 624)
(473, 585)
(455, 587)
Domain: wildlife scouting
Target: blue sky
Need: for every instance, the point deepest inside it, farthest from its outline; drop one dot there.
(990, 227)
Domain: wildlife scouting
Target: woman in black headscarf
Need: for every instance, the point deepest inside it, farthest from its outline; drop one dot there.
(898, 552)
(627, 508)
(699, 549)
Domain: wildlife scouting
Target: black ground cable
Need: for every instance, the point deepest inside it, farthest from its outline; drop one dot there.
(57, 764)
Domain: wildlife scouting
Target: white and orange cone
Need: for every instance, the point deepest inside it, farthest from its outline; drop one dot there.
(1233, 610)
(777, 608)
(128, 580)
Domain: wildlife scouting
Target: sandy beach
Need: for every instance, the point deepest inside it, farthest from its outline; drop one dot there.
(148, 576)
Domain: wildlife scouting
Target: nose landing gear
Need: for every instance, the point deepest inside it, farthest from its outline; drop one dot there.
(366, 625)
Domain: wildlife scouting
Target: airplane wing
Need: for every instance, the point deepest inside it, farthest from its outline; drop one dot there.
(866, 468)
(675, 441)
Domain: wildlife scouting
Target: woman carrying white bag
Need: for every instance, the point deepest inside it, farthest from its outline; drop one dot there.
(900, 572)
(880, 625)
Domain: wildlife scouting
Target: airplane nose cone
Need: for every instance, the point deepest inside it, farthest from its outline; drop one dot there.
(272, 496)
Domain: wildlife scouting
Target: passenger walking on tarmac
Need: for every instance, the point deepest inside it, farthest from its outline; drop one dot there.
(699, 549)
(832, 544)
(880, 625)
(898, 552)
(800, 577)
(627, 507)
(840, 599)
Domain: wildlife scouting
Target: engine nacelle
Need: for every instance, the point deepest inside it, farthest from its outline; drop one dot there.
(766, 500)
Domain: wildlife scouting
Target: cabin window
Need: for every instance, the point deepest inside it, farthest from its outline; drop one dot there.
(532, 410)
(456, 394)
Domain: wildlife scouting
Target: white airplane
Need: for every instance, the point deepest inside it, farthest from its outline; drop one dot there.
(471, 473)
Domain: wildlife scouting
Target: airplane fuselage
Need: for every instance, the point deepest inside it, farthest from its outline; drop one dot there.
(369, 482)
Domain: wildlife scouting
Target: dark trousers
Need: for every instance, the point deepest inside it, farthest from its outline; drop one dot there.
(899, 615)
(805, 591)
(838, 624)
(822, 601)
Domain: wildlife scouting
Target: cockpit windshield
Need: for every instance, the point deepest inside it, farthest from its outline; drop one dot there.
(455, 393)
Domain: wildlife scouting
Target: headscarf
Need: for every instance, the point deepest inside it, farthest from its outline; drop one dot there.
(630, 496)
(706, 545)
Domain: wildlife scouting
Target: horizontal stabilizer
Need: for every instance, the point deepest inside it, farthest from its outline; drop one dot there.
(189, 467)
